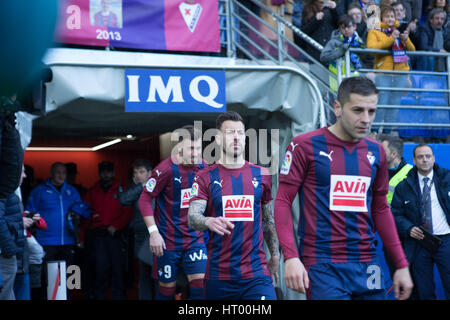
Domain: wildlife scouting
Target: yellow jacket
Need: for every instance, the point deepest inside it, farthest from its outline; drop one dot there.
(376, 39)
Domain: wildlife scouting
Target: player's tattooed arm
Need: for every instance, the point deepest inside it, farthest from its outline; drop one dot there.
(269, 231)
(196, 219)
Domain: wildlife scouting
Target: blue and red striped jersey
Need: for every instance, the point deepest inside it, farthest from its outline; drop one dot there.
(170, 185)
(336, 182)
(238, 195)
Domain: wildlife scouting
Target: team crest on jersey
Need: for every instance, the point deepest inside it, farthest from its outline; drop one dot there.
(191, 14)
(151, 183)
(371, 158)
(349, 193)
(286, 163)
(238, 208)
(185, 197)
(255, 183)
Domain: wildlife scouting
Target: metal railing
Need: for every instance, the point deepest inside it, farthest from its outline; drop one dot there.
(245, 33)
(438, 111)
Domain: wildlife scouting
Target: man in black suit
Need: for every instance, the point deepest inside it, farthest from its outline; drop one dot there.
(422, 201)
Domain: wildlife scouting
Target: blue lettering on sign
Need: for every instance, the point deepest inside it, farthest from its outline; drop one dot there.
(157, 90)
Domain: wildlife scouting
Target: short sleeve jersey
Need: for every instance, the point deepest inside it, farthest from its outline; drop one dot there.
(170, 184)
(336, 181)
(238, 195)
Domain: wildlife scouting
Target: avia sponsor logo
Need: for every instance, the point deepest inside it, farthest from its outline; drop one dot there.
(185, 197)
(349, 193)
(238, 208)
(198, 256)
(160, 90)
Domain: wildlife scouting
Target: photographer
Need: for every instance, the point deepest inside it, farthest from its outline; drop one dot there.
(389, 37)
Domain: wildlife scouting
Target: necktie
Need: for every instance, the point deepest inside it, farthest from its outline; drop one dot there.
(426, 206)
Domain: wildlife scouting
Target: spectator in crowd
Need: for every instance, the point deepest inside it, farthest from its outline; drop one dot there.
(142, 171)
(413, 9)
(421, 208)
(27, 260)
(355, 11)
(431, 36)
(12, 245)
(108, 222)
(72, 171)
(341, 40)
(444, 6)
(54, 200)
(398, 169)
(28, 184)
(318, 21)
(400, 15)
(389, 38)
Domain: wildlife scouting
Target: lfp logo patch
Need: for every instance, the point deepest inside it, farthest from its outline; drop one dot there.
(238, 208)
(194, 189)
(150, 186)
(286, 163)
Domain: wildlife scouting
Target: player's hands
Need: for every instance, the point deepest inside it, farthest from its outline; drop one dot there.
(295, 275)
(219, 225)
(402, 283)
(157, 244)
(273, 265)
(416, 233)
(319, 15)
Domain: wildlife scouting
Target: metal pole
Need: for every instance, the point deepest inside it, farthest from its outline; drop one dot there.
(339, 71)
(347, 63)
(231, 48)
(448, 76)
(280, 34)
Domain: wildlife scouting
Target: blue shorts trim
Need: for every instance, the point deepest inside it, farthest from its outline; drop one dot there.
(259, 288)
(346, 281)
(192, 261)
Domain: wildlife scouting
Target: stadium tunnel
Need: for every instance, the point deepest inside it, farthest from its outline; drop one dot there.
(85, 108)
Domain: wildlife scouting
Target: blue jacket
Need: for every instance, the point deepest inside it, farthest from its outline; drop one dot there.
(406, 205)
(53, 206)
(12, 238)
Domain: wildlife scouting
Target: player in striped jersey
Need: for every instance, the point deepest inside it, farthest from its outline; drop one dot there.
(236, 196)
(172, 241)
(342, 181)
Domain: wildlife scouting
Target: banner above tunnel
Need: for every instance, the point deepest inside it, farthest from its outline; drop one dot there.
(173, 25)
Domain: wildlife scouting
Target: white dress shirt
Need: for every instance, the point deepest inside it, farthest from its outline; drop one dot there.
(439, 220)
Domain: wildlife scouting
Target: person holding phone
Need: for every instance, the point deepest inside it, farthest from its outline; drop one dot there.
(388, 37)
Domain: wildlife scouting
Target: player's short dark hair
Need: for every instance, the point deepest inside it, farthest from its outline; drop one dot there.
(139, 162)
(193, 133)
(346, 20)
(395, 144)
(422, 145)
(228, 116)
(358, 85)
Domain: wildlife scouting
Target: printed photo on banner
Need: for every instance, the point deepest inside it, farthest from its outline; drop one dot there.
(106, 13)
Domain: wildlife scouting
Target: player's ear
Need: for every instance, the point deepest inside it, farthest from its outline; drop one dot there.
(337, 108)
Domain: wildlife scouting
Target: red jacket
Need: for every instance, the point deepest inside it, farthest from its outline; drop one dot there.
(106, 209)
